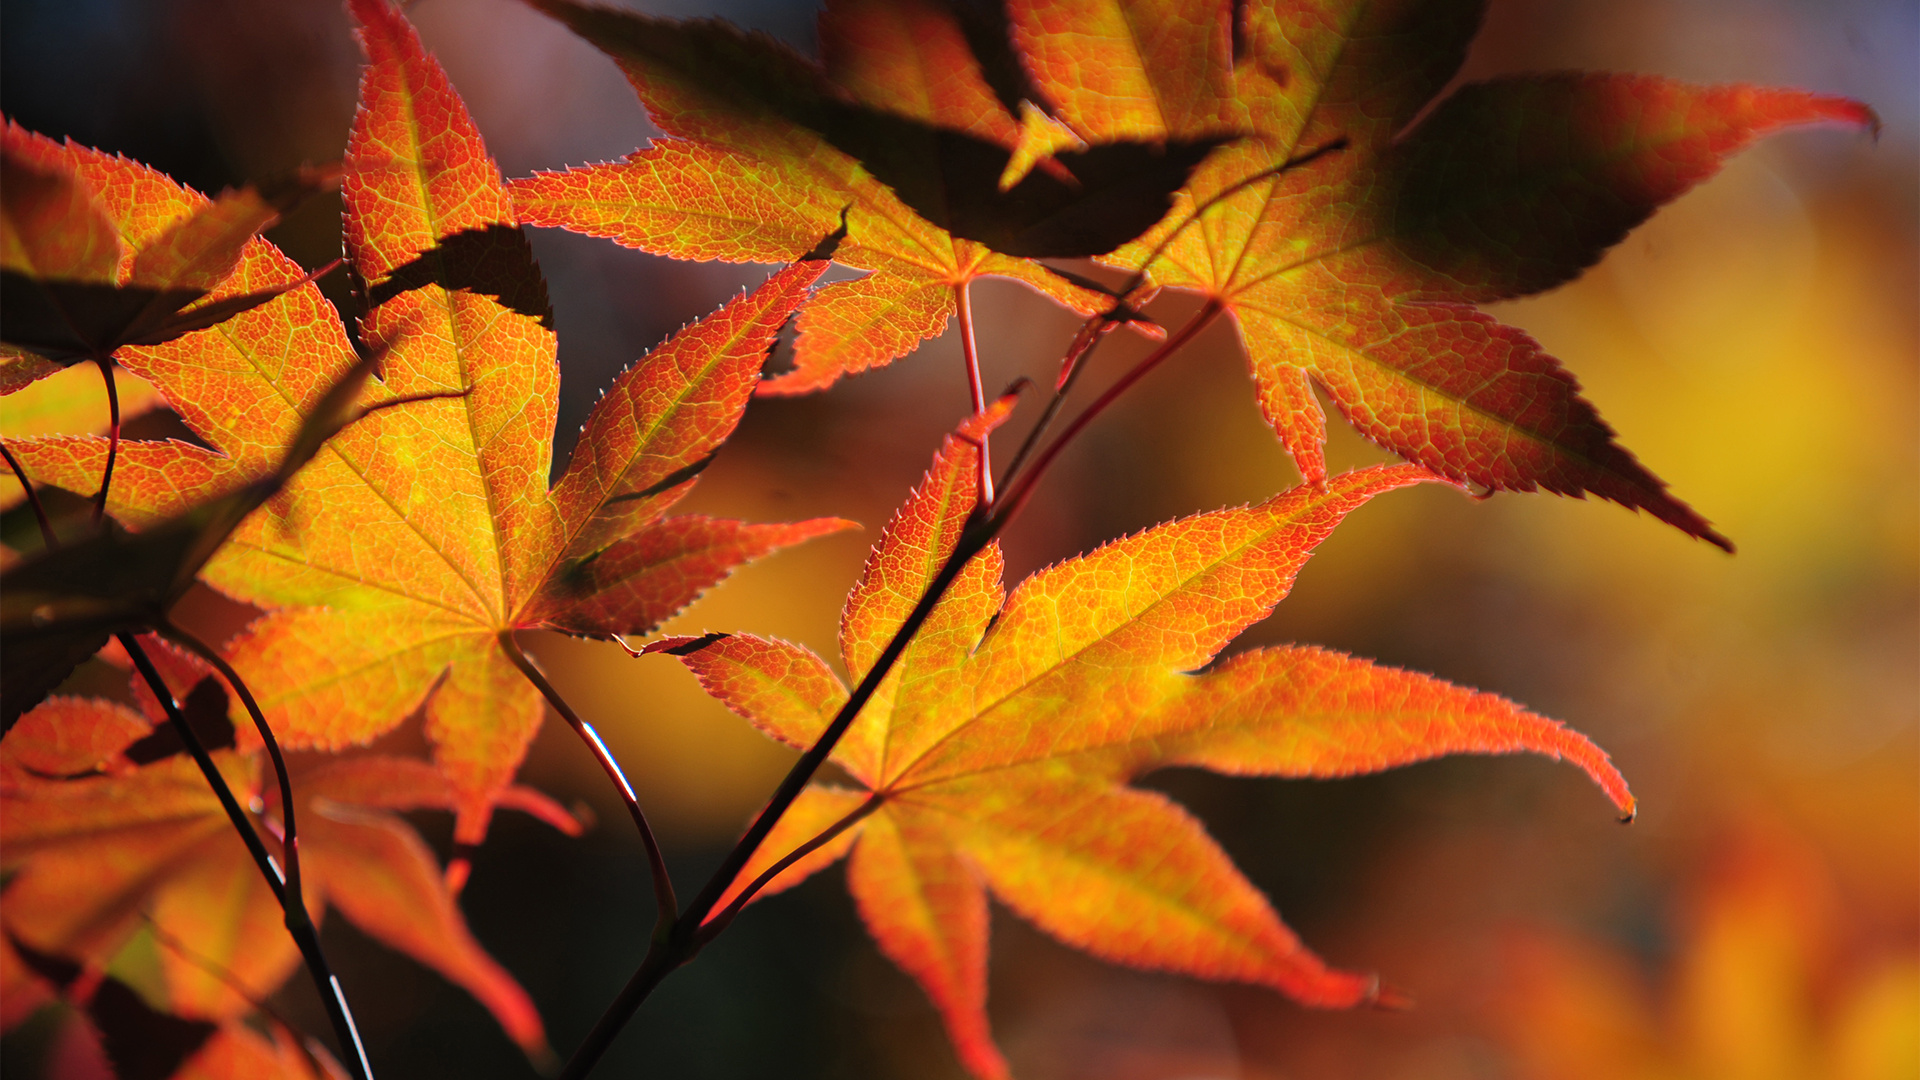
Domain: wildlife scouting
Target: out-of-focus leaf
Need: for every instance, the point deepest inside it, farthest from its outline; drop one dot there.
(237, 1052)
(1758, 985)
(72, 287)
(91, 858)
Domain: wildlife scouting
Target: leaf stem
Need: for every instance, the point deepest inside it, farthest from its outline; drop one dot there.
(33, 498)
(1019, 491)
(712, 927)
(1091, 334)
(970, 349)
(105, 363)
(290, 836)
(663, 896)
(304, 936)
(241, 990)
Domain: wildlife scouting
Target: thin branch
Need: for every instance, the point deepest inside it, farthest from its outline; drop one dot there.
(663, 896)
(684, 941)
(663, 956)
(1020, 491)
(1091, 334)
(105, 363)
(292, 905)
(33, 499)
(979, 531)
(712, 927)
(970, 349)
(269, 868)
(241, 990)
(290, 835)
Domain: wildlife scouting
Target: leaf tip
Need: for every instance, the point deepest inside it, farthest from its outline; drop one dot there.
(1389, 998)
(541, 1056)
(683, 646)
(1846, 110)
(459, 869)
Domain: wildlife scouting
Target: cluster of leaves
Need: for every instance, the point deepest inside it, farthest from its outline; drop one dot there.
(382, 494)
(124, 850)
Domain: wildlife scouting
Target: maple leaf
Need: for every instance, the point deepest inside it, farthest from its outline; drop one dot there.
(94, 859)
(244, 386)
(1356, 269)
(59, 606)
(399, 562)
(109, 1027)
(763, 152)
(1348, 249)
(74, 287)
(995, 756)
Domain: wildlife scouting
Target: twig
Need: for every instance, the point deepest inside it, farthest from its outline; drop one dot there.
(712, 927)
(33, 499)
(290, 835)
(1091, 334)
(684, 941)
(233, 983)
(663, 896)
(1016, 493)
(105, 364)
(301, 929)
(969, 348)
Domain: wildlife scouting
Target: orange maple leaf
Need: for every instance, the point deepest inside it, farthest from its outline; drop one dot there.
(996, 755)
(401, 561)
(79, 286)
(735, 178)
(98, 845)
(1350, 247)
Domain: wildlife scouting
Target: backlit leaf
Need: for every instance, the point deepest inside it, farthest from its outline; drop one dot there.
(93, 859)
(997, 754)
(76, 284)
(395, 562)
(1354, 270)
(763, 155)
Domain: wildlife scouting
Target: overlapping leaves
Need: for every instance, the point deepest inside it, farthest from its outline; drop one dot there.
(765, 152)
(997, 753)
(1355, 270)
(74, 285)
(1357, 274)
(110, 833)
(397, 560)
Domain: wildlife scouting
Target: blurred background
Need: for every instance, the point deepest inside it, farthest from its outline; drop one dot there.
(1755, 345)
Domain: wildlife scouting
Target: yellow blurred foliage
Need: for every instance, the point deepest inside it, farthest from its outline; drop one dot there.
(1760, 989)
